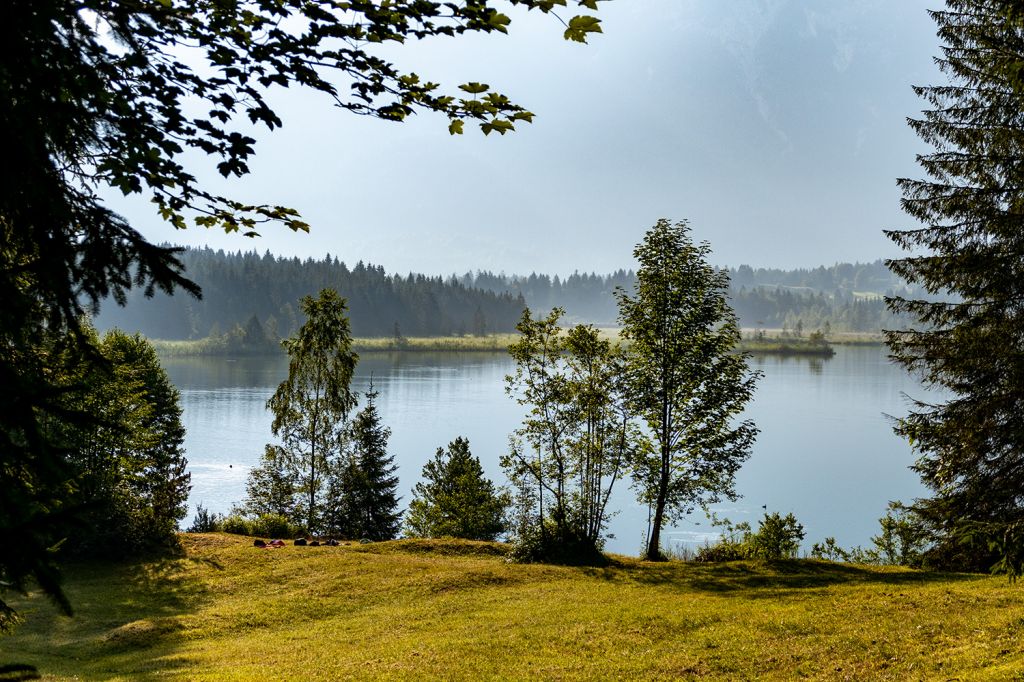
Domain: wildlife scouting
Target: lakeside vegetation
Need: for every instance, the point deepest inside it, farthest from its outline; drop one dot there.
(494, 343)
(787, 346)
(226, 610)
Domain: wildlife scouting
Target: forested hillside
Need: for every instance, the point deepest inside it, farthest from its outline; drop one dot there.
(240, 286)
(845, 296)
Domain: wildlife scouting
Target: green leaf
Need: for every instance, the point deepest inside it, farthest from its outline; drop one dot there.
(499, 22)
(580, 26)
(500, 126)
(455, 127)
(475, 88)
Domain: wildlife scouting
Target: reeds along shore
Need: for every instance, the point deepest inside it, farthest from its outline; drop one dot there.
(492, 343)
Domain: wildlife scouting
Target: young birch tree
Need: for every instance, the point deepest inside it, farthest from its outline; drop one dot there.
(576, 437)
(686, 381)
(312, 405)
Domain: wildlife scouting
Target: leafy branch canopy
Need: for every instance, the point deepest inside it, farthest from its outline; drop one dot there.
(160, 77)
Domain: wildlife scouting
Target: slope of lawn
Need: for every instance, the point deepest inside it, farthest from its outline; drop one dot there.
(448, 609)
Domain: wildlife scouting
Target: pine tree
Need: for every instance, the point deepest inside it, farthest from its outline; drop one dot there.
(369, 484)
(455, 499)
(253, 334)
(969, 251)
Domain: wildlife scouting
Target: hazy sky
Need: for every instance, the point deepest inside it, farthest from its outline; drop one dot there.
(777, 127)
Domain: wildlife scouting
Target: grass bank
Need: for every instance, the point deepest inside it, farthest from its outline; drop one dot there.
(460, 344)
(457, 610)
(456, 344)
(857, 339)
(791, 346)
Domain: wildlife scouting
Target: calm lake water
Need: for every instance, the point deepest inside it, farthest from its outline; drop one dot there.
(826, 451)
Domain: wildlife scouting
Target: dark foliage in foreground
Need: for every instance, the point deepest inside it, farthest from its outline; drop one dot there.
(970, 247)
(93, 97)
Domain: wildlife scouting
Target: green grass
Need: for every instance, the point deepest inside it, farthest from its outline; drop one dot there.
(787, 346)
(205, 346)
(458, 344)
(857, 338)
(457, 610)
(463, 344)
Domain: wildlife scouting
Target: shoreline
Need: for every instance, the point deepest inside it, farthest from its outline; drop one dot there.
(497, 343)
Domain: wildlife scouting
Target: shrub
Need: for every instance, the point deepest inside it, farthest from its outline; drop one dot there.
(829, 550)
(732, 546)
(904, 539)
(547, 545)
(205, 522)
(723, 550)
(274, 526)
(777, 537)
(238, 525)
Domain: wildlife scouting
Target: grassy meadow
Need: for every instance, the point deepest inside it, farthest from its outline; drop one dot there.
(457, 610)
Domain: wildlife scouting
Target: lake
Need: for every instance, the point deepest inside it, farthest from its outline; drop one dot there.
(826, 451)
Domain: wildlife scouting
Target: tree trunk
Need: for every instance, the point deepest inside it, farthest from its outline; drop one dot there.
(312, 498)
(654, 542)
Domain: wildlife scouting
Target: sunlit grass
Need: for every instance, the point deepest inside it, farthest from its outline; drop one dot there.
(448, 609)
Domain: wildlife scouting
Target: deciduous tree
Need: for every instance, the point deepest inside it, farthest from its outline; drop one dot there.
(685, 379)
(270, 488)
(312, 405)
(575, 440)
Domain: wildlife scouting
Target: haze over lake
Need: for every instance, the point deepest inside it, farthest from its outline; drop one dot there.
(826, 451)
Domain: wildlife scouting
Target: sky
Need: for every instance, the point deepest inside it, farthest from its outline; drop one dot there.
(777, 128)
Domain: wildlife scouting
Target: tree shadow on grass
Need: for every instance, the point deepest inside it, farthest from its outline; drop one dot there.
(765, 578)
(129, 620)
